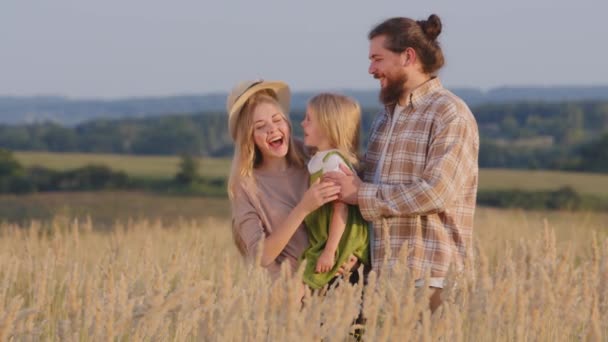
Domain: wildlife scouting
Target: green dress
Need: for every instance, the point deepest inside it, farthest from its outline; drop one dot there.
(354, 240)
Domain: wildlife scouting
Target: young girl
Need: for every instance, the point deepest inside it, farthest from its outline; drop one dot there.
(335, 230)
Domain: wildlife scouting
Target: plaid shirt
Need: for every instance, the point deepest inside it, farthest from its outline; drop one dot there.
(425, 197)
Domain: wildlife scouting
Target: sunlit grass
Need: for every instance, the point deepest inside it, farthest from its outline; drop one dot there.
(536, 276)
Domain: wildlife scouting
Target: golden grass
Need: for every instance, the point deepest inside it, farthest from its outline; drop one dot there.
(536, 276)
(166, 167)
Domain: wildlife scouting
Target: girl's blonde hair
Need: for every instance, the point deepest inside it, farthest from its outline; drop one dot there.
(247, 156)
(339, 117)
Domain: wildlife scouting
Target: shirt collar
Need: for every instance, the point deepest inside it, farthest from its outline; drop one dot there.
(418, 95)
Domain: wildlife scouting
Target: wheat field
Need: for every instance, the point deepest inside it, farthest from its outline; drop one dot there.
(535, 276)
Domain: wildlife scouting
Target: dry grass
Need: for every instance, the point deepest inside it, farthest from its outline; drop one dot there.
(106, 207)
(536, 277)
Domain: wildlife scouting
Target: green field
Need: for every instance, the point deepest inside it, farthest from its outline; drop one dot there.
(166, 166)
(504, 179)
(141, 166)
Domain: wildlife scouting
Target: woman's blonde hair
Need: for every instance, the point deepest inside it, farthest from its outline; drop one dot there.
(339, 117)
(247, 156)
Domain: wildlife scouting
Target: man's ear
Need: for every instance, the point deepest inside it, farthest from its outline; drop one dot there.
(409, 56)
(403, 58)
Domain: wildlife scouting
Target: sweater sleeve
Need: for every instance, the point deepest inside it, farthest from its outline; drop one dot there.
(247, 224)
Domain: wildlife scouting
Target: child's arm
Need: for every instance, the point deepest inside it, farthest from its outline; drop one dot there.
(336, 228)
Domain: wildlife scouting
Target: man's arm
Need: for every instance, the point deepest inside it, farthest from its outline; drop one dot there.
(452, 153)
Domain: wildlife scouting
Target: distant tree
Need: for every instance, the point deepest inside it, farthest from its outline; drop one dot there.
(58, 138)
(510, 126)
(188, 170)
(594, 155)
(12, 177)
(9, 166)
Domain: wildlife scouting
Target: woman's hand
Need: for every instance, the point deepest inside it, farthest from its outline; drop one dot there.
(318, 194)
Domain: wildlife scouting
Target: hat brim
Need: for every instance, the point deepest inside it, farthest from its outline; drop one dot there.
(283, 97)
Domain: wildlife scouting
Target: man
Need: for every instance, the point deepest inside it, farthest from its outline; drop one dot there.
(420, 169)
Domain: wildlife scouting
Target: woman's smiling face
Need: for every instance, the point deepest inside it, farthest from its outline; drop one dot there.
(270, 131)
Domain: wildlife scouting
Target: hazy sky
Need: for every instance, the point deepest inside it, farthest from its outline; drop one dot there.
(120, 48)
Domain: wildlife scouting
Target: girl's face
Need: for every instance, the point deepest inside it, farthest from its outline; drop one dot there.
(270, 131)
(313, 134)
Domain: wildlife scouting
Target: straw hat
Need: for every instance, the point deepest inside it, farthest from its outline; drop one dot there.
(243, 91)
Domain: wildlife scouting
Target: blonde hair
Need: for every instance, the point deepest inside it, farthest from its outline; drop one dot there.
(339, 117)
(247, 156)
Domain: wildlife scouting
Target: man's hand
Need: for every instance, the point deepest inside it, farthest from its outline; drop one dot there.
(348, 181)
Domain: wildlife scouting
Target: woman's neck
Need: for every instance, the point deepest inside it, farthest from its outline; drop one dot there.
(274, 164)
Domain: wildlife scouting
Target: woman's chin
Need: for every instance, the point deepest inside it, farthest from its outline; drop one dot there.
(280, 152)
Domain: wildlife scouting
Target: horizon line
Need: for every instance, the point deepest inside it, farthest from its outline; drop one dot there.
(294, 91)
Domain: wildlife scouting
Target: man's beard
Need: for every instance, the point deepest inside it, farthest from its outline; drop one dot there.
(391, 94)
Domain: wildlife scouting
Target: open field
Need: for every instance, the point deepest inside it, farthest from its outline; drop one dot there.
(106, 207)
(142, 166)
(537, 276)
(165, 167)
(504, 179)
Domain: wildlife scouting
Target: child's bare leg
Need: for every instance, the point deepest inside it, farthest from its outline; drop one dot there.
(435, 299)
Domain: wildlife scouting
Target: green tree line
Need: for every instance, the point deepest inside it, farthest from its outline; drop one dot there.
(16, 179)
(567, 136)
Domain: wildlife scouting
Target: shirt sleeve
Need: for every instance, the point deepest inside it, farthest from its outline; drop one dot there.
(452, 153)
(247, 225)
(332, 164)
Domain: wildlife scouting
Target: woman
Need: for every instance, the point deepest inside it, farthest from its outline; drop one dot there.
(268, 184)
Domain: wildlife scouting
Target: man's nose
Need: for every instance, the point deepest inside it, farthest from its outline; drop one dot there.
(372, 69)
